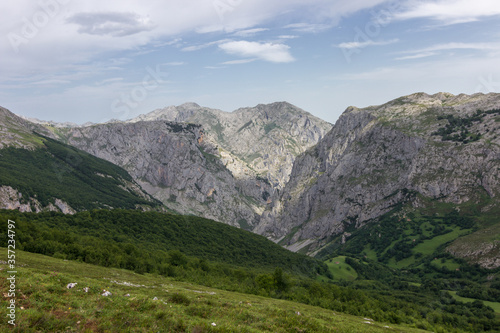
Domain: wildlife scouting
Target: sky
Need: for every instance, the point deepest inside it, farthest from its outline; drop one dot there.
(81, 61)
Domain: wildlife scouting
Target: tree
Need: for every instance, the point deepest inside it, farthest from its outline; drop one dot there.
(280, 280)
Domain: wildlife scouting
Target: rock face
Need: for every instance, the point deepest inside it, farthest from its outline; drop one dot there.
(376, 157)
(10, 198)
(262, 141)
(228, 168)
(172, 162)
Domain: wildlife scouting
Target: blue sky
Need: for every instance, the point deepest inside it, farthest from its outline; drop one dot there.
(79, 61)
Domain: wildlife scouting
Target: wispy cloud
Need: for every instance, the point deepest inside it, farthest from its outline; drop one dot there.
(450, 11)
(307, 27)
(202, 46)
(50, 82)
(358, 45)
(417, 56)
(110, 80)
(238, 62)
(249, 32)
(278, 53)
(456, 46)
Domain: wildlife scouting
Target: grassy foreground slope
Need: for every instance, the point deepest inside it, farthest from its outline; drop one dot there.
(155, 304)
(219, 256)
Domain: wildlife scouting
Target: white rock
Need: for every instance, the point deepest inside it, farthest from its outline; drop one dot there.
(106, 293)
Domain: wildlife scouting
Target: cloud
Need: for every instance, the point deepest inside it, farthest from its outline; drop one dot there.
(417, 56)
(238, 62)
(111, 23)
(457, 46)
(249, 32)
(202, 46)
(450, 11)
(83, 31)
(288, 36)
(278, 53)
(50, 82)
(358, 45)
(175, 63)
(307, 27)
(110, 80)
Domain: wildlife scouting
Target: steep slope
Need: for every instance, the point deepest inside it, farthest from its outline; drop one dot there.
(174, 163)
(261, 141)
(19, 133)
(410, 150)
(38, 173)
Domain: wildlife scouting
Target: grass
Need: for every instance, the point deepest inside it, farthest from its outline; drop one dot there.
(370, 253)
(44, 304)
(402, 263)
(494, 305)
(483, 236)
(449, 264)
(429, 246)
(340, 270)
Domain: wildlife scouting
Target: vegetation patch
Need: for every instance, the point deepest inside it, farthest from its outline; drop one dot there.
(340, 270)
(458, 129)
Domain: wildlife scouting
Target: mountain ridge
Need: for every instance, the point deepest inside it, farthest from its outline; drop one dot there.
(205, 161)
(435, 146)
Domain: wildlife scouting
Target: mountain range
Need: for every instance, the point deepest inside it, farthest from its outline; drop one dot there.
(206, 162)
(311, 186)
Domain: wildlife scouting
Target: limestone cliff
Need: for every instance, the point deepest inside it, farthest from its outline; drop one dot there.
(437, 147)
(172, 162)
(260, 141)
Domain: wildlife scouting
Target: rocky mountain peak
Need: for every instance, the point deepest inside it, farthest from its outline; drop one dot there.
(189, 105)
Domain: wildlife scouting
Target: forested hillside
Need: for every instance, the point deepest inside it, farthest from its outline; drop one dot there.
(54, 170)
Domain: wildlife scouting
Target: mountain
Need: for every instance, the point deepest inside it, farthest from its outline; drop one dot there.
(430, 154)
(261, 141)
(206, 162)
(39, 173)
